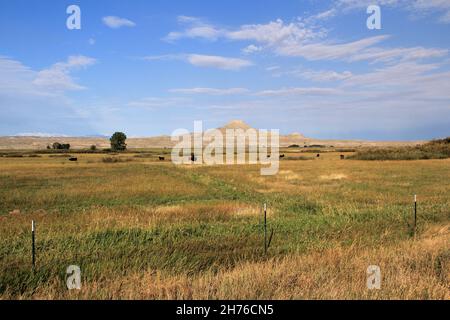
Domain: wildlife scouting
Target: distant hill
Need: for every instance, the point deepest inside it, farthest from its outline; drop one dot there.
(236, 124)
(41, 142)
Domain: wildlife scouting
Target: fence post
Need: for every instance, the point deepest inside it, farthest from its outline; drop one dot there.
(415, 213)
(265, 228)
(33, 244)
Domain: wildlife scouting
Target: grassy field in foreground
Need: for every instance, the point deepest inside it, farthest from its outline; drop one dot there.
(140, 228)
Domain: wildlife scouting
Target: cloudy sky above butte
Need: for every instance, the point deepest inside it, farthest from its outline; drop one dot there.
(150, 67)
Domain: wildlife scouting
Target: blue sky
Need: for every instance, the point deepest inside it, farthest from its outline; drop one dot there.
(150, 67)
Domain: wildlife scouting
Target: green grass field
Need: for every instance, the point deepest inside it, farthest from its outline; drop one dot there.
(145, 229)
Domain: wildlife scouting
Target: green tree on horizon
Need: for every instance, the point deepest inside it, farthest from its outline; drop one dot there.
(118, 141)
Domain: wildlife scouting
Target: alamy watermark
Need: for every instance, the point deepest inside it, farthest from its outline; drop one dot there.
(74, 277)
(373, 277)
(227, 146)
(374, 20)
(73, 22)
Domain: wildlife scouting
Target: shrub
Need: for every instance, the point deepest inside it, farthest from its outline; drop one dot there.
(436, 149)
(61, 146)
(13, 155)
(115, 160)
(110, 160)
(298, 158)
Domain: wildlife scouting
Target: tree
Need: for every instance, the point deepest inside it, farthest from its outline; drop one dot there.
(60, 146)
(118, 141)
(93, 147)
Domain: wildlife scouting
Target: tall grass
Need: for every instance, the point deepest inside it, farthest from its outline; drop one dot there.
(154, 230)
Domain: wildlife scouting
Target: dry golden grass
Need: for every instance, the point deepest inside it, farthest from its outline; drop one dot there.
(413, 269)
(149, 230)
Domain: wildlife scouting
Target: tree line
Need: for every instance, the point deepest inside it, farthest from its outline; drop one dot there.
(117, 140)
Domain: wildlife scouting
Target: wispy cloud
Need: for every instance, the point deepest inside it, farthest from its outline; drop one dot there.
(195, 28)
(40, 134)
(445, 18)
(422, 7)
(18, 80)
(165, 57)
(117, 22)
(405, 74)
(275, 33)
(404, 54)
(210, 91)
(157, 102)
(324, 15)
(268, 34)
(206, 61)
(251, 49)
(305, 38)
(272, 68)
(299, 91)
(57, 77)
(219, 62)
(329, 51)
(37, 101)
(321, 75)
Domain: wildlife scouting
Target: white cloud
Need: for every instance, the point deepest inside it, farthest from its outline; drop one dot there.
(196, 28)
(357, 4)
(40, 134)
(165, 57)
(251, 49)
(325, 15)
(272, 33)
(275, 33)
(323, 75)
(299, 91)
(117, 22)
(218, 62)
(200, 60)
(77, 62)
(302, 39)
(329, 51)
(387, 55)
(445, 18)
(210, 91)
(431, 4)
(195, 32)
(403, 83)
(156, 102)
(413, 6)
(188, 19)
(18, 80)
(58, 78)
(272, 68)
(401, 74)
